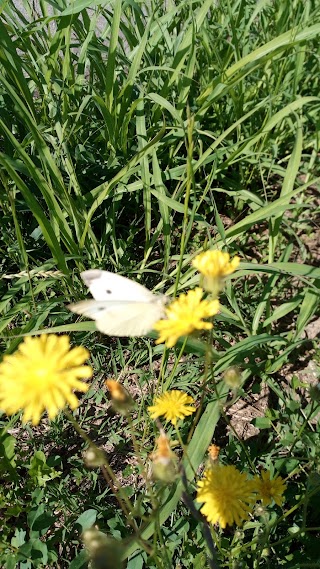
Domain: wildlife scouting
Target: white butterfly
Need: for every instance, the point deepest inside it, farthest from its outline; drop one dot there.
(121, 307)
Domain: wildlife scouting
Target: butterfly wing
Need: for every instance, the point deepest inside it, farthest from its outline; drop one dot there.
(90, 308)
(122, 318)
(104, 285)
(130, 319)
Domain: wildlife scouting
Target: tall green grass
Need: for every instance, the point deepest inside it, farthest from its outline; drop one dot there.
(176, 127)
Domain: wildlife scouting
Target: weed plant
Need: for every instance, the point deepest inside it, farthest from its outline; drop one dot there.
(134, 136)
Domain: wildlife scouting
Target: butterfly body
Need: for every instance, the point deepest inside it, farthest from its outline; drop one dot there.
(121, 307)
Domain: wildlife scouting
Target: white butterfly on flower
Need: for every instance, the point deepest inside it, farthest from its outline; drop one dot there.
(120, 306)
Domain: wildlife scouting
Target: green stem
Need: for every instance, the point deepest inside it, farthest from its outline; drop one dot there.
(108, 474)
(177, 360)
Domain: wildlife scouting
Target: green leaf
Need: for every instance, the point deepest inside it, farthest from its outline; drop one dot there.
(40, 520)
(7, 453)
(12, 560)
(19, 538)
(87, 519)
(262, 214)
(44, 223)
(308, 307)
(40, 471)
(77, 6)
(281, 42)
(262, 423)
(295, 269)
(244, 348)
(39, 552)
(80, 561)
(163, 103)
(287, 187)
(137, 561)
(283, 310)
(278, 362)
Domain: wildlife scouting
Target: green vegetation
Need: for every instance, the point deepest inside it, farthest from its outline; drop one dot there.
(134, 136)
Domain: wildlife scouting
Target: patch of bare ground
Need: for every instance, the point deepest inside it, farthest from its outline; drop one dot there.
(245, 410)
(308, 375)
(242, 413)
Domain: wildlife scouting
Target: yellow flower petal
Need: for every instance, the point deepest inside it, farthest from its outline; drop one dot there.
(215, 263)
(173, 405)
(214, 266)
(184, 316)
(41, 375)
(269, 489)
(227, 494)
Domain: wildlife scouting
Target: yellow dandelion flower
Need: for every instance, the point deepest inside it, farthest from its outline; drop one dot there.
(173, 405)
(227, 494)
(41, 375)
(214, 265)
(184, 316)
(269, 489)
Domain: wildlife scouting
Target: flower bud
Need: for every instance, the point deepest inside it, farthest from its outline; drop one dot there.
(214, 452)
(94, 456)
(120, 397)
(104, 551)
(214, 285)
(232, 377)
(259, 510)
(164, 461)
